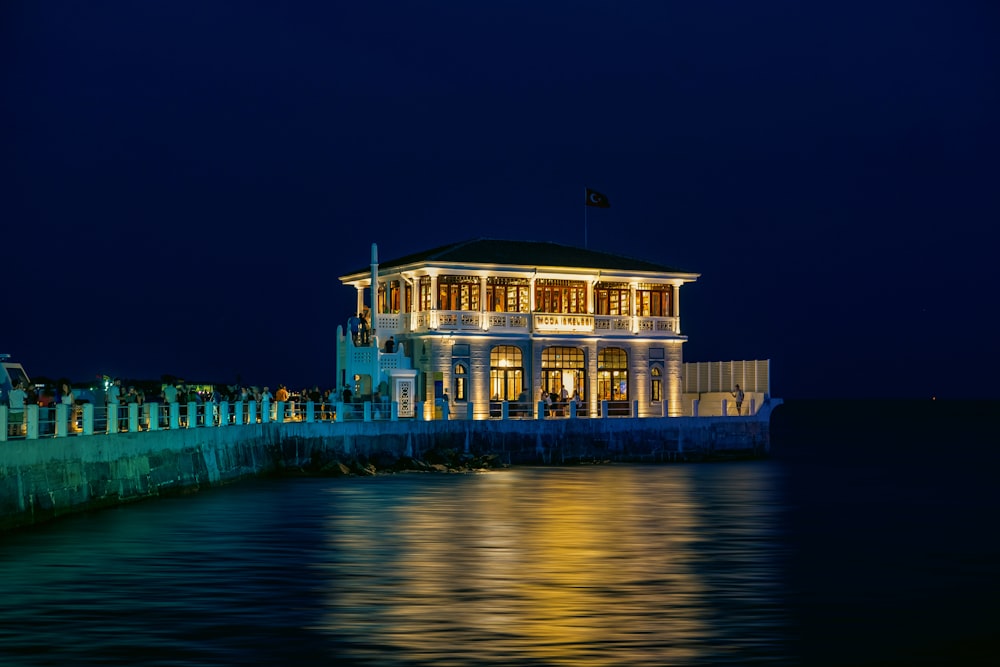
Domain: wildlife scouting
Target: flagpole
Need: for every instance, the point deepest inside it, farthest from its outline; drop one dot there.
(585, 217)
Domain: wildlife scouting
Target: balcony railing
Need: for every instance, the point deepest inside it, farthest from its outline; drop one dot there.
(467, 321)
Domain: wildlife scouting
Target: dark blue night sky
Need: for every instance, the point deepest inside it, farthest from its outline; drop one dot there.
(182, 182)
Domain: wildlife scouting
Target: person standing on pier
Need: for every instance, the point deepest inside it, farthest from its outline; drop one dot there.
(281, 399)
(738, 395)
(354, 324)
(68, 398)
(365, 329)
(131, 396)
(169, 395)
(114, 398)
(16, 398)
(268, 398)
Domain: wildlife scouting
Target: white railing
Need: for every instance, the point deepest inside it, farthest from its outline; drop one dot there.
(88, 419)
(659, 325)
(62, 420)
(507, 321)
(612, 324)
(483, 321)
(456, 320)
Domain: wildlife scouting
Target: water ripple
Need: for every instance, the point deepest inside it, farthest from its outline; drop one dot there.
(618, 565)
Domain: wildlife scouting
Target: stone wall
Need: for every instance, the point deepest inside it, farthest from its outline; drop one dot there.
(43, 479)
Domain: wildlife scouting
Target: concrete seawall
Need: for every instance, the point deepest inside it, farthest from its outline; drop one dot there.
(44, 479)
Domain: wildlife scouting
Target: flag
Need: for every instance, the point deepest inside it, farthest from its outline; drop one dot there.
(595, 198)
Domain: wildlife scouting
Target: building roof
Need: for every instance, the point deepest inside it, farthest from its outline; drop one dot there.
(522, 253)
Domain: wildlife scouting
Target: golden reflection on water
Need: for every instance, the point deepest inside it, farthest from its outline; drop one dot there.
(578, 566)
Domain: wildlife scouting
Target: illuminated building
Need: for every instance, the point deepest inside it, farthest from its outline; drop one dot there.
(495, 321)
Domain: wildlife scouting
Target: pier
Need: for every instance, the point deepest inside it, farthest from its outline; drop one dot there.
(45, 476)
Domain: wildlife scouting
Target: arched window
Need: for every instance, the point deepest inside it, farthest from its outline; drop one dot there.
(655, 383)
(460, 377)
(564, 367)
(612, 374)
(506, 373)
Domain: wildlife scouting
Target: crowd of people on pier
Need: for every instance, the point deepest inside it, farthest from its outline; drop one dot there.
(117, 398)
(557, 404)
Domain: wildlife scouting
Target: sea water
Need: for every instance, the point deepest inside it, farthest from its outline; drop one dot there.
(858, 543)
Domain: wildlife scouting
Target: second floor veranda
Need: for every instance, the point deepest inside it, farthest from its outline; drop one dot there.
(474, 321)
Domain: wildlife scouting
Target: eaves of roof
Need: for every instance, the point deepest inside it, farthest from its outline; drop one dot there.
(498, 252)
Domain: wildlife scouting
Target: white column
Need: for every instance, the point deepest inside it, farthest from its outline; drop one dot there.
(88, 419)
(111, 412)
(633, 307)
(374, 288)
(484, 317)
(676, 304)
(31, 414)
(62, 420)
(414, 298)
(432, 320)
